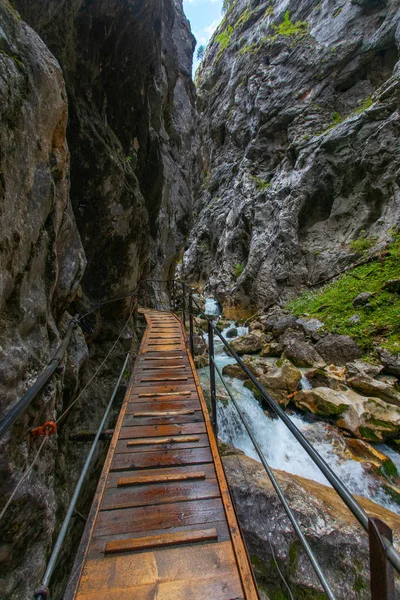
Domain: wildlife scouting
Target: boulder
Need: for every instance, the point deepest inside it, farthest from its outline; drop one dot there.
(272, 349)
(390, 362)
(279, 381)
(360, 367)
(222, 324)
(311, 327)
(200, 345)
(234, 370)
(362, 299)
(300, 352)
(328, 525)
(249, 344)
(392, 286)
(372, 387)
(338, 349)
(257, 365)
(232, 333)
(254, 325)
(277, 321)
(201, 361)
(367, 418)
(326, 378)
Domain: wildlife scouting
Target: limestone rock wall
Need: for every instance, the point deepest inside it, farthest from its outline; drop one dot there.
(96, 123)
(127, 68)
(299, 112)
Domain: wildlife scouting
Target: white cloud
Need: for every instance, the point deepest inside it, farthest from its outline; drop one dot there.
(212, 27)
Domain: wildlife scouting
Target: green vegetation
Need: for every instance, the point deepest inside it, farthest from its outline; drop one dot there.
(238, 269)
(14, 58)
(363, 243)
(244, 17)
(363, 106)
(223, 40)
(289, 29)
(261, 184)
(378, 321)
(336, 118)
(269, 12)
(337, 13)
(249, 49)
(388, 469)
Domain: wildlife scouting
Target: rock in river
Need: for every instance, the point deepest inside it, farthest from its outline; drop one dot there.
(340, 543)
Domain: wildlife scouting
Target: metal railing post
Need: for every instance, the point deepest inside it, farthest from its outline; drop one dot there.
(381, 571)
(173, 295)
(191, 328)
(183, 305)
(212, 377)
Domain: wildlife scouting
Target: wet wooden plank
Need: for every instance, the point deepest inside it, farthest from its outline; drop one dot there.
(160, 478)
(163, 455)
(147, 518)
(159, 444)
(149, 495)
(161, 541)
(161, 430)
(207, 469)
(164, 565)
(160, 458)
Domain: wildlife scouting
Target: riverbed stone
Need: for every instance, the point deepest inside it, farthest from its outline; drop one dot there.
(232, 333)
(361, 367)
(372, 387)
(279, 381)
(272, 349)
(249, 344)
(328, 525)
(311, 327)
(338, 349)
(300, 352)
(367, 418)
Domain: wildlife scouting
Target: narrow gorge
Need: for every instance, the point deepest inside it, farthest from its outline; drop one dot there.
(269, 180)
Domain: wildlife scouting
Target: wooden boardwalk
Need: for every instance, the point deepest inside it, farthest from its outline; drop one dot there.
(162, 525)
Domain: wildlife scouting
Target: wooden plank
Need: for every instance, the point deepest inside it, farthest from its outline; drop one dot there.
(160, 541)
(161, 430)
(98, 543)
(186, 491)
(161, 490)
(182, 439)
(243, 560)
(160, 458)
(167, 516)
(152, 446)
(174, 393)
(162, 565)
(207, 468)
(171, 413)
(162, 379)
(160, 478)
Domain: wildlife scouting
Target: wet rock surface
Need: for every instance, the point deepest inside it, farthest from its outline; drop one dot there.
(96, 163)
(335, 536)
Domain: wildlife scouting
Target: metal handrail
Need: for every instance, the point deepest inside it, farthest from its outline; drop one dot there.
(42, 592)
(31, 393)
(370, 525)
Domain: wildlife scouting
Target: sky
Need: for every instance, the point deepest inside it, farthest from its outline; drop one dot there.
(204, 17)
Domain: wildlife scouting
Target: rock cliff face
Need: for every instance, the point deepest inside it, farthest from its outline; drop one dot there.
(299, 109)
(95, 169)
(127, 68)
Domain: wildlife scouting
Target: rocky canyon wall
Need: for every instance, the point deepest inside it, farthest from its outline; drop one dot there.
(97, 116)
(299, 111)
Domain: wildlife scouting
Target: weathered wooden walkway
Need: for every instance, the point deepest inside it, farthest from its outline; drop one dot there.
(162, 525)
